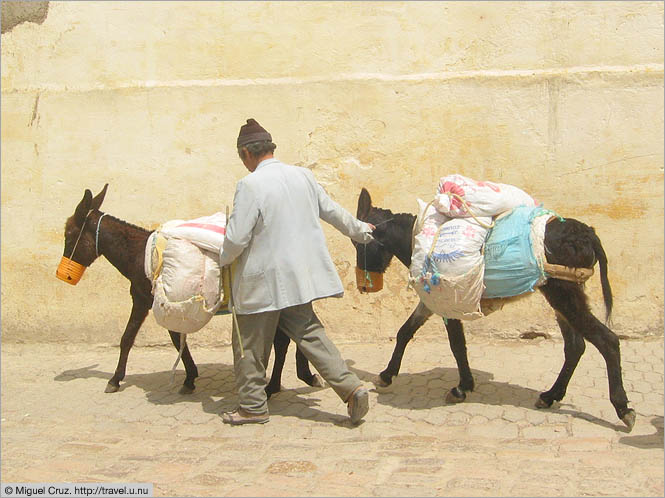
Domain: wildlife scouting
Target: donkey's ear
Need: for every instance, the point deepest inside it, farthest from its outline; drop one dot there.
(99, 198)
(83, 207)
(364, 204)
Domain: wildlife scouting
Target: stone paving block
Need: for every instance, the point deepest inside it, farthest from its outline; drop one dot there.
(535, 416)
(606, 487)
(581, 428)
(471, 486)
(545, 432)
(597, 445)
(654, 378)
(403, 490)
(539, 485)
(518, 456)
(457, 418)
(513, 414)
(648, 408)
(437, 385)
(495, 429)
(478, 420)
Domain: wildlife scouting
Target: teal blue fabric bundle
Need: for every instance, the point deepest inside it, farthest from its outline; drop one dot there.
(511, 267)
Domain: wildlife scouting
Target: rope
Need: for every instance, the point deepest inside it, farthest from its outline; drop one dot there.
(468, 209)
(384, 221)
(183, 343)
(80, 233)
(368, 277)
(436, 236)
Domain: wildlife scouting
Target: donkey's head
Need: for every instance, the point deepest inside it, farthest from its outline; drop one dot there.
(372, 259)
(80, 243)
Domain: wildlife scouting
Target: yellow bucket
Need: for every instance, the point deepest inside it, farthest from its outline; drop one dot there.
(370, 281)
(69, 271)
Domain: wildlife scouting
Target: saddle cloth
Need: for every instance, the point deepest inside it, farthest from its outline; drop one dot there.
(515, 252)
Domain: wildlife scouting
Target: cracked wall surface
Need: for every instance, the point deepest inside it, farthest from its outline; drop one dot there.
(14, 13)
(563, 99)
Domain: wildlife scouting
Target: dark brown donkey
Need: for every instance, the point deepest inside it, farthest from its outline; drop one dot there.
(90, 233)
(568, 243)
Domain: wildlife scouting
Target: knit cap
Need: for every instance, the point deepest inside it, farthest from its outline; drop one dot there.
(252, 132)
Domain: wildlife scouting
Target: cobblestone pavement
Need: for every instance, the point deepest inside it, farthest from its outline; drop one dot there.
(59, 426)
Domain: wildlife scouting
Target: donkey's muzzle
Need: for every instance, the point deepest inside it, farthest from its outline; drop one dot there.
(69, 271)
(368, 281)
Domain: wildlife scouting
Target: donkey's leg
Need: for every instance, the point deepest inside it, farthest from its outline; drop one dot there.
(568, 299)
(138, 314)
(281, 345)
(190, 367)
(404, 335)
(607, 342)
(305, 373)
(458, 347)
(573, 348)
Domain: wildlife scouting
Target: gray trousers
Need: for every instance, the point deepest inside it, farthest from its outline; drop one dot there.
(302, 325)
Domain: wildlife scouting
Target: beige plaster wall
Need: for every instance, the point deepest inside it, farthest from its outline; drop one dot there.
(564, 100)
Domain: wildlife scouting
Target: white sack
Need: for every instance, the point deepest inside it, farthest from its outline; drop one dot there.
(458, 243)
(453, 297)
(206, 232)
(482, 198)
(187, 291)
(449, 281)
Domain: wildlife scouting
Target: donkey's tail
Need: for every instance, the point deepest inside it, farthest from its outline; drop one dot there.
(604, 281)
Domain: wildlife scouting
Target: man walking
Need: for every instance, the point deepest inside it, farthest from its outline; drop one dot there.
(283, 265)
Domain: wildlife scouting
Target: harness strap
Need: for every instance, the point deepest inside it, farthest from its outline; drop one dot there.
(80, 233)
(99, 222)
(577, 275)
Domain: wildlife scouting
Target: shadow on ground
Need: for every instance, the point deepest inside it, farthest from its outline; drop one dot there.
(400, 394)
(215, 391)
(649, 441)
(217, 381)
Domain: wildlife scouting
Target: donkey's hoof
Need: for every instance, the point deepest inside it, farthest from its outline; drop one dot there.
(272, 390)
(185, 389)
(629, 419)
(316, 381)
(541, 403)
(110, 388)
(455, 395)
(384, 379)
(380, 383)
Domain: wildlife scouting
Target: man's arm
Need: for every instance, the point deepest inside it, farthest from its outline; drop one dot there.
(341, 219)
(240, 224)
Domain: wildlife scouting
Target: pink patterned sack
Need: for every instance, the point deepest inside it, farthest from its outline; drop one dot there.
(460, 197)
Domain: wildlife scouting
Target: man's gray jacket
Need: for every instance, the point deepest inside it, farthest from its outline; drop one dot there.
(274, 231)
